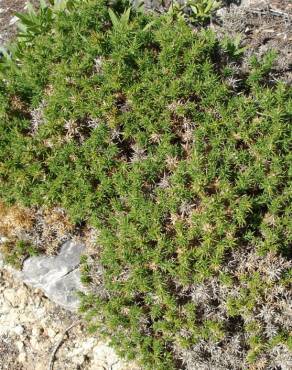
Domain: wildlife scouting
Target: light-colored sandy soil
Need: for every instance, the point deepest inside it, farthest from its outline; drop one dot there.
(31, 327)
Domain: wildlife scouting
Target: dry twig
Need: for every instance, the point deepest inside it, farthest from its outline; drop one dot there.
(270, 11)
(58, 345)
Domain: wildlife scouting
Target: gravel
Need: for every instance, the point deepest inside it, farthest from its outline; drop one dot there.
(31, 326)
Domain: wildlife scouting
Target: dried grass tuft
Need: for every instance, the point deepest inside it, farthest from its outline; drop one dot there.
(15, 221)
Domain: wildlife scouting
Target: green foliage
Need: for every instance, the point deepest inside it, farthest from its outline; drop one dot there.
(36, 22)
(85, 270)
(232, 46)
(123, 21)
(32, 23)
(193, 11)
(16, 252)
(176, 11)
(202, 9)
(135, 130)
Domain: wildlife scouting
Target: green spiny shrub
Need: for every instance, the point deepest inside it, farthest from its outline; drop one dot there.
(137, 131)
(16, 252)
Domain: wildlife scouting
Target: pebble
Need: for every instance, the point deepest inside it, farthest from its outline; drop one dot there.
(35, 343)
(78, 360)
(11, 297)
(22, 297)
(36, 331)
(22, 357)
(40, 366)
(51, 333)
(88, 345)
(20, 346)
(18, 330)
(13, 20)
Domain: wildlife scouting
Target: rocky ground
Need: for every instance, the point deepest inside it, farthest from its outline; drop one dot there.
(31, 328)
(7, 18)
(263, 25)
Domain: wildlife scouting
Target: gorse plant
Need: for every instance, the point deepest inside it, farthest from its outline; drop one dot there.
(33, 23)
(136, 131)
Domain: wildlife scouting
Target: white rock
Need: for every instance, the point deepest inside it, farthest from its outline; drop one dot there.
(78, 360)
(13, 20)
(35, 343)
(18, 330)
(11, 297)
(51, 333)
(88, 345)
(22, 357)
(20, 346)
(22, 297)
(36, 331)
(103, 355)
(76, 352)
(57, 276)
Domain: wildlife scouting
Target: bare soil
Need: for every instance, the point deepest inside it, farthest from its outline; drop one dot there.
(263, 25)
(7, 11)
(31, 327)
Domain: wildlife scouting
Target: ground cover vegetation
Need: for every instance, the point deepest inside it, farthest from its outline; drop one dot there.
(145, 129)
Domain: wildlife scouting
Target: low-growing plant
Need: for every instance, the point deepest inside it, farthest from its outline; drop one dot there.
(233, 46)
(16, 251)
(138, 133)
(201, 10)
(35, 22)
(195, 12)
(120, 22)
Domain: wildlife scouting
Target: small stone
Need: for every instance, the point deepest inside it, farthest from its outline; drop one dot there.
(40, 366)
(35, 343)
(18, 330)
(51, 333)
(221, 12)
(22, 357)
(5, 307)
(20, 346)
(78, 360)
(36, 331)
(22, 297)
(11, 297)
(76, 352)
(13, 20)
(57, 276)
(102, 353)
(88, 345)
